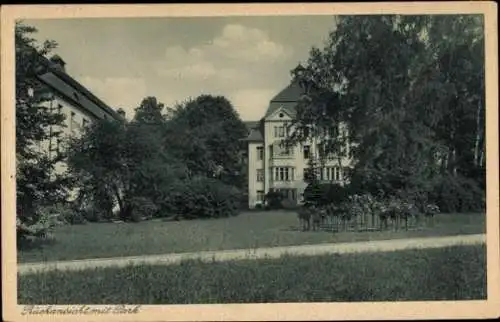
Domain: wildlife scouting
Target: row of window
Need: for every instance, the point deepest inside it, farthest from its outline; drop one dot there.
(282, 131)
(286, 193)
(288, 174)
(73, 123)
(56, 145)
(283, 151)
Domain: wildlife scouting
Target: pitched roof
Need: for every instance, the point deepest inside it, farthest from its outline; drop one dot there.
(255, 130)
(287, 99)
(255, 136)
(251, 124)
(291, 93)
(75, 92)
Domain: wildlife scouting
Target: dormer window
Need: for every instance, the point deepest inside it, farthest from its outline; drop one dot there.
(281, 115)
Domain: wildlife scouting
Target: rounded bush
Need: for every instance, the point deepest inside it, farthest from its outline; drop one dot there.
(201, 197)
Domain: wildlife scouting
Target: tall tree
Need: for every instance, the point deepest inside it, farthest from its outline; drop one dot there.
(150, 111)
(207, 131)
(36, 129)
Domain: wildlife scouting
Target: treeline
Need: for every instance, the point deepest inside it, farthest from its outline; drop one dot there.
(410, 90)
(181, 162)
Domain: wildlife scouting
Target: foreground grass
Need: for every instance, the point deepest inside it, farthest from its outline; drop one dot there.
(248, 230)
(452, 273)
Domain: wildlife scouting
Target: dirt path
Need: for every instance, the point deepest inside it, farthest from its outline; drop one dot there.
(272, 252)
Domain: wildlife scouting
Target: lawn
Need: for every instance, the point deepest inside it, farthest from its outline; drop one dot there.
(451, 273)
(248, 230)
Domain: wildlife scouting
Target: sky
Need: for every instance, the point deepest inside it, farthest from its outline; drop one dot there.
(246, 59)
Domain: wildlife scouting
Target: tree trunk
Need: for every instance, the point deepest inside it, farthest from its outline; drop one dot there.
(121, 203)
(478, 136)
(482, 159)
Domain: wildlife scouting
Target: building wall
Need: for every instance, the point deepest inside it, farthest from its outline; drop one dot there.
(295, 160)
(254, 164)
(76, 118)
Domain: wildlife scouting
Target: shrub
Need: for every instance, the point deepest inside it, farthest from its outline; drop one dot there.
(457, 194)
(39, 228)
(62, 212)
(201, 197)
(334, 193)
(287, 203)
(325, 193)
(142, 208)
(94, 205)
(273, 200)
(313, 194)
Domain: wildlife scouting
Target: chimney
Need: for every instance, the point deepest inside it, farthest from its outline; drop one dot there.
(121, 112)
(58, 63)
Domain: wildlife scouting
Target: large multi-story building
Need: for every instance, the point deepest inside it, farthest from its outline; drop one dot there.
(65, 95)
(274, 167)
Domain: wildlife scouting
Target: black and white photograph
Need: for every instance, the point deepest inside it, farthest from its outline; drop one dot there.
(247, 158)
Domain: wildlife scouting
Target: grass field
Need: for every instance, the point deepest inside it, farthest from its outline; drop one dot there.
(452, 273)
(248, 230)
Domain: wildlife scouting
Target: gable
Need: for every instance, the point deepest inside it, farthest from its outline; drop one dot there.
(286, 100)
(280, 113)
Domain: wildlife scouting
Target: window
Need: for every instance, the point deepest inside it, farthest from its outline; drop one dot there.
(283, 174)
(260, 153)
(260, 175)
(283, 150)
(279, 131)
(306, 132)
(329, 173)
(84, 122)
(59, 146)
(333, 131)
(325, 152)
(260, 196)
(72, 122)
(290, 194)
(320, 148)
(307, 174)
(31, 92)
(345, 172)
(333, 174)
(307, 152)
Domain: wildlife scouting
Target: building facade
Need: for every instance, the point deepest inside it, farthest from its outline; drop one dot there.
(272, 166)
(63, 94)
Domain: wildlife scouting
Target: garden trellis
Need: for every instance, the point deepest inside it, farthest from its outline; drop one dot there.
(367, 213)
